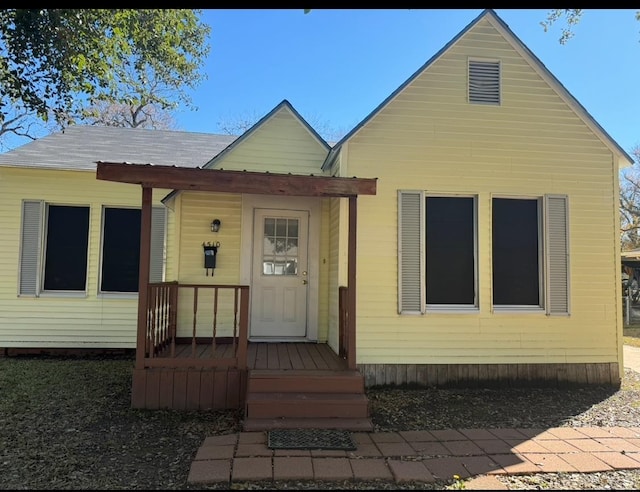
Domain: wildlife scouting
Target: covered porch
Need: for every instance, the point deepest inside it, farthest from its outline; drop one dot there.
(218, 368)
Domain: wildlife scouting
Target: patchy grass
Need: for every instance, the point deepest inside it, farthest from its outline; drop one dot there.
(631, 336)
(68, 424)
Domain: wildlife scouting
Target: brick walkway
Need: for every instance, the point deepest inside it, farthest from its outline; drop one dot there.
(421, 456)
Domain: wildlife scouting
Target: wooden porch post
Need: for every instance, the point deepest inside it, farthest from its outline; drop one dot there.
(143, 274)
(243, 334)
(351, 292)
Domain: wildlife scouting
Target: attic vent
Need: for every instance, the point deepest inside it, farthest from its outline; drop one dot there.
(484, 82)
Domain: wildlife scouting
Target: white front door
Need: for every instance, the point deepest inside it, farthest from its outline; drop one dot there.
(279, 274)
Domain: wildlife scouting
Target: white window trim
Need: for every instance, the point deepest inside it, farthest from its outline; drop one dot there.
(125, 295)
(456, 308)
(555, 276)
(63, 293)
(34, 285)
(499, 309)
(542, 287)
(111, 293)
(434, 308)
(42, 292)
(452, 309)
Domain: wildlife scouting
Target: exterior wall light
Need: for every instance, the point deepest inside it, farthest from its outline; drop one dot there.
(215, 225)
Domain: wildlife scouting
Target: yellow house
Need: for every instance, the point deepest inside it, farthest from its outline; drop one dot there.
(465, 232)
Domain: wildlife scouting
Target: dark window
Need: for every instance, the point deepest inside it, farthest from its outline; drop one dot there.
(450, 255)
(66, 248)
(516, 252)
(120, 250)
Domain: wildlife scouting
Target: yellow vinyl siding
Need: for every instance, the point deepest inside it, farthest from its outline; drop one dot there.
(333, 272)
(338, 275)
(172, 240)
(430, 138)
(280, 145)
(80, 320)
(197, 210)
(323, 271)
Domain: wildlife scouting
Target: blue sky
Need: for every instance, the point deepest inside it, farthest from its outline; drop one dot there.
(336, 65)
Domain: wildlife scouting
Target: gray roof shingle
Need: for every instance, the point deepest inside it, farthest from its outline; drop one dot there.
(80, 146)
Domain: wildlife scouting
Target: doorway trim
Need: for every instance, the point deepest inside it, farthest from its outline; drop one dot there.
(314, 206)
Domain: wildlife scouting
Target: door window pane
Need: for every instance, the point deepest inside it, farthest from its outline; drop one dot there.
(280, 246)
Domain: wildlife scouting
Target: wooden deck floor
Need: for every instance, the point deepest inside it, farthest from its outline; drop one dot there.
(279, 356)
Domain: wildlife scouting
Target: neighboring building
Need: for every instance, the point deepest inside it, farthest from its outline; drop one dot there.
(475, 211)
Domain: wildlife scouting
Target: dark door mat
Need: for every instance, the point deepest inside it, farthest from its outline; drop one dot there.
(310, 439)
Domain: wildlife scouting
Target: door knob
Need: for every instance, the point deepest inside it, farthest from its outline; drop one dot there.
(304, 282)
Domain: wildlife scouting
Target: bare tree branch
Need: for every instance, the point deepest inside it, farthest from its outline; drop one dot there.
(630, 204)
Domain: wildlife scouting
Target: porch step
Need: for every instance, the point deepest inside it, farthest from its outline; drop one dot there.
(306, 405)
(306, 399)
(355, 425)
(292, 381)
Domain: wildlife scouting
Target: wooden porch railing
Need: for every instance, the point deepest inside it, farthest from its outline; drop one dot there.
(163, 318)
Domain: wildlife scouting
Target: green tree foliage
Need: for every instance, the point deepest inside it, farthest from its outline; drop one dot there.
(571, 18)
(58, 63)
(568, 19)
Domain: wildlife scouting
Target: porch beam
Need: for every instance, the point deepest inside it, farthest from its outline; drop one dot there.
(351, 291)
(184, 178)
(143, 274)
